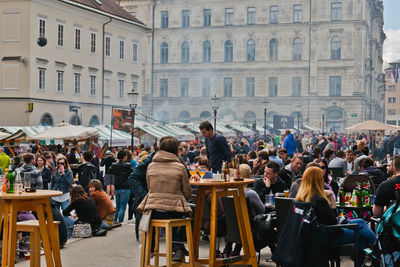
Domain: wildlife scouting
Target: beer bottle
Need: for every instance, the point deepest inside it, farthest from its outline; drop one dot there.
(10, 180)
(342, 196)
(354, 198)
(223, 171)
(226, 171)
(367, 197)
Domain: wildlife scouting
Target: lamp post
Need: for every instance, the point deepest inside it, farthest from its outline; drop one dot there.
(265, 116)
(133, 95)
(298, 119)
(215, 109)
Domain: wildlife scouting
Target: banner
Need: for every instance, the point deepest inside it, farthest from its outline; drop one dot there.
(122, 119)
(283, 122)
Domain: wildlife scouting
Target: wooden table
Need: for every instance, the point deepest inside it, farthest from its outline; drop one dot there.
(220, 189)
(38, 201)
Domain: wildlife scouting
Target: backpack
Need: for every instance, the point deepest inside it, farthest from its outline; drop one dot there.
(389, 227)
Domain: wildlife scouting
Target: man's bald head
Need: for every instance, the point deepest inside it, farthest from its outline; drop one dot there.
(1, 149)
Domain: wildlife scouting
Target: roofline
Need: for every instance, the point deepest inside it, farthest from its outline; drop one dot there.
(70, 2)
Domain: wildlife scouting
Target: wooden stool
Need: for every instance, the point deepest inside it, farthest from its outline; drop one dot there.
(168, 225)
(32, 226)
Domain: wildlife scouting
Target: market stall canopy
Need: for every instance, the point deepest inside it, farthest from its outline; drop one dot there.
(119, 138)
(3, 135)
(160, 131)
(371, 126)
(67, 132)
(21, 132)
(190, 126)
(224, 130)
(241, 128)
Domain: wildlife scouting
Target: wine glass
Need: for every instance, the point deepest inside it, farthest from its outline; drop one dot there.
(202, 172)
(192, 170)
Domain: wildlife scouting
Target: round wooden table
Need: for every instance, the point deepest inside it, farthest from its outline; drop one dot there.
(38, 201)
(236, 190)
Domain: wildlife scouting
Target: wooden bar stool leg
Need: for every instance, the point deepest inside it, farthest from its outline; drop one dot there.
(53, 231)
(197, 222)
(213, 227)
(143, 251)
(168, 245)
(12, 236)
(189, 239)
(45, 236)
(242, 230)
(35, 248)
(157, 246)
(6, 211)
(148, 246)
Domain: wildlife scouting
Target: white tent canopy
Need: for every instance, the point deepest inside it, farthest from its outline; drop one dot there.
(119, 138)
(67, 132)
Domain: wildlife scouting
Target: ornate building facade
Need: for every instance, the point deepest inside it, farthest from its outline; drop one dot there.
(317, 60)
(392, 94)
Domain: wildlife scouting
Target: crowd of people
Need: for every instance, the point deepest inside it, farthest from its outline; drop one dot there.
(157, 177)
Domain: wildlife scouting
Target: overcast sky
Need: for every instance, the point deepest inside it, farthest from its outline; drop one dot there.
(391, 47)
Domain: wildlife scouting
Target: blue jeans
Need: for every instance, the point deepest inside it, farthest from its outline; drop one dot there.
(69, 222)
(396, 151)
(365, 237)
(62, 205)
(121, 200)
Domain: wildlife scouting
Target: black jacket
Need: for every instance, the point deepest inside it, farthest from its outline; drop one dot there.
(86, 212)
(46, 177)
(286, 176)
(87, 172)
(376, 175)
(121, 171)
(108, 161)
(262, 190)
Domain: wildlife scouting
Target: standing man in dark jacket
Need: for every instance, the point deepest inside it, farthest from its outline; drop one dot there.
(87, 171)
(108, 178)
(217, 147)
(121, 170)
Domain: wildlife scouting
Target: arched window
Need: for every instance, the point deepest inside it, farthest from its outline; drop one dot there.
(94, 120)
(334, 120)
(206, 51)
(228, 51)
(227, 115)
(251, 50)
(163, 116)
(205, 115)
(164, 53)
(273, 50)
(185, 52)
(297, 47)
(249, 117)
(336, 48)
(75, 120)
(47, 120)
(184, 116)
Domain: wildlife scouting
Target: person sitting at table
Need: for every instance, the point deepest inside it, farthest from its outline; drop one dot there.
(44, 171)
(271, 182)
(366, 166)
(291, 171)
(105, 208)
(328, 180)
(169, 190)
(260, 162)
(312, 190)
(85, 210)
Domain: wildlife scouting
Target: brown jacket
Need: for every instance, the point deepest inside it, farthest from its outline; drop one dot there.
(103, 204)
(168, 185)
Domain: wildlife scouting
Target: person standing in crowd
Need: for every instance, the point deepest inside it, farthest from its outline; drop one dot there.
(109, 178)
(122, 169)
(396, 144)
(72, 157)
(87, 171)
(44, 171)
(339, 162)
(299, 145)
(5, 160)
(289, 143)
(131, 159)
(271, 182)
(217, 146)
(29, 167)
(191, 154)
(330, 145)
(273, 157)
(61, 181)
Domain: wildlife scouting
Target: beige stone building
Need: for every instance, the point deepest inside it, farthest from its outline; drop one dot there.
(321, 59)
(62, 81)
(392, 95)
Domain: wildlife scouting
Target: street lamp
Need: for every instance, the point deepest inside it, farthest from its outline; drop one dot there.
(298, 119)
(265, 116)
(133, 96)
(215, 108)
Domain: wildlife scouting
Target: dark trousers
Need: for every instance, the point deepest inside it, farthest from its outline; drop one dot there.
(131, 206)
(178, 233)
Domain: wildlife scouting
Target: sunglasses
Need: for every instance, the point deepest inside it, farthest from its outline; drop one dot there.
(61, 163)
(323, 167)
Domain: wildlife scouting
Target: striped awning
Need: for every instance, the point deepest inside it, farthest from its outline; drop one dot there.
(153, 130)
(192, 127)
(224, 130)
(241, 128)
(180, 133)
(22, 132)
(119, 138)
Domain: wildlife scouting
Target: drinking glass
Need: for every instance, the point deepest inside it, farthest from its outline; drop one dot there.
(27, 180)
(202, 172)
(193, 171)
(348, 198)
(286, 193)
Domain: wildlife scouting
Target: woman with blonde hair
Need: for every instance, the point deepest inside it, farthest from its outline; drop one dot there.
(312, 190)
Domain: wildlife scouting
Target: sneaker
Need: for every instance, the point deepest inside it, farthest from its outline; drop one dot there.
(204, 237)
(178, 256)
(112, 197)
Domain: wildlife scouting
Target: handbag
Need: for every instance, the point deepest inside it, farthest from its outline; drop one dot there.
(145, 221)
(264, 225)
(82, 230)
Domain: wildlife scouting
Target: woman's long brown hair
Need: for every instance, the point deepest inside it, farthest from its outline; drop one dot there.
(78, 193)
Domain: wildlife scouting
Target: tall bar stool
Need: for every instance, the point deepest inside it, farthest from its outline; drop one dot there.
(168, 225)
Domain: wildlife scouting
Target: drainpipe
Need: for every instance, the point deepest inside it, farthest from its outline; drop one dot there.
(152, 59)
(102, 72)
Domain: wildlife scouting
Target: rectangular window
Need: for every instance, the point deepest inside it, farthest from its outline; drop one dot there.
(228, 87)
(184, 87)
(391, 87)
(134, 86)
(228, 16)
(336, 11)
(121, 49)
(60, 35)
(251, 15)
(42, 79)
(250, 86)
(296, 86)
(207, 17)
(297, 13)
(273, 14)
(335, 86)
(134, 52)
(92, 85)
(42, 28)
(391, 99)
(164, 19)
(163, 87)
(272, 86)
(185, 18)
(92, 42)
(121, 88)
(206, 87)
(108, 46)
(77, 39)
(77, 83)
(392, 112)
(60, 81)
(391, 122)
